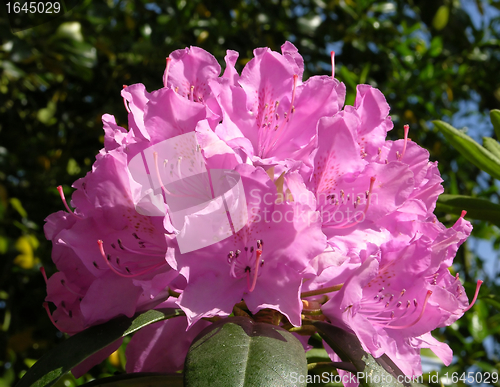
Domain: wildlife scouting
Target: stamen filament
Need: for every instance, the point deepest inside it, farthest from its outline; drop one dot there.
(103, 254)
(42, 270)
(356, 221)
(167, 69)
(478, 286)
(279, 132)
(332, 55)
(406, 129)
(429, 293)
(61, 193)
(258, 254)
(125, 248)
(46, 307)
(155, 156)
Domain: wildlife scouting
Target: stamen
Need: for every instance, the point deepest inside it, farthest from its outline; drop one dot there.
(155, 156)
(191, 93)
(356, 221)
(258, 254)
(46, 307)
(125, 248)
(406, 129)
(462, 215)
(42, 270)
(478, 286)
(125, 102)
(427, 296)
(279, 132)
(61, 193)
(332, 56)
(130, 275)
(63, 283)
(165, 74)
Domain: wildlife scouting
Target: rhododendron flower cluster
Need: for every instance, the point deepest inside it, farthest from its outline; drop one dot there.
(262, 191)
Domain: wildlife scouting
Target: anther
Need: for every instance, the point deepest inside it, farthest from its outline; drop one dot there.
(429, 293)
(54, 322)
(108, 263)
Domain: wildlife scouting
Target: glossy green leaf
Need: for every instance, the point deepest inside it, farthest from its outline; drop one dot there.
(495, 120)
(476, 208)
(478, 325)
(240, 352)
(316, 355)
(475, 153)
(139, 380)
(371, 372)
(80, 346)
(492, 145)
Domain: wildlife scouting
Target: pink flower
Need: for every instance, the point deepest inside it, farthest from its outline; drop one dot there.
(277, 242)
(270, 116)
(111, 260)
(255, 188)
(394, 315)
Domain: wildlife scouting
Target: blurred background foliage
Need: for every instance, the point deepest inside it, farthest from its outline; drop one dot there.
(434, 59)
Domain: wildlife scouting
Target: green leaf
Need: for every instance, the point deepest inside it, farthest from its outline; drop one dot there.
(495, 120)
(80, 346)
(475, 153)
(478, 325)
(46, 114)
(436, 46)
(441, 18)
(139, 380)
(371, 372)
(492, 299)
(240, 352)
(317, 355)
(492, 145)
(16, 203)
(477, 208)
